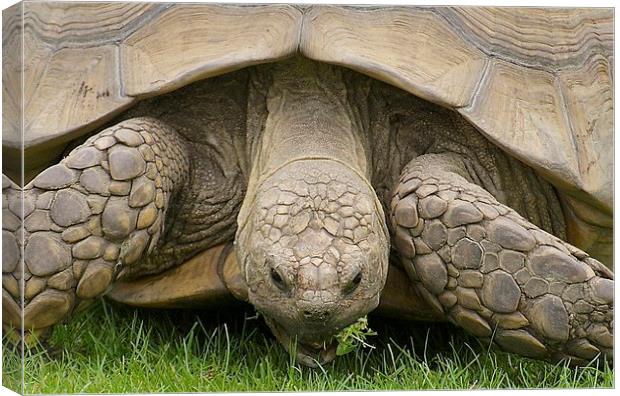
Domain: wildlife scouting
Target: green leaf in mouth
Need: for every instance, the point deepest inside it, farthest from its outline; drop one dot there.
(354, 336)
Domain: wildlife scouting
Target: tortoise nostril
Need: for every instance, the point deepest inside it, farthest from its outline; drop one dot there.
(316, 314)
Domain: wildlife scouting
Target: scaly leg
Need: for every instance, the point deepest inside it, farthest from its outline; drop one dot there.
(98, 211)
(495, 274)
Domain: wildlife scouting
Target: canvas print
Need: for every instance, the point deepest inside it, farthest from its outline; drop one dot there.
(233, 197)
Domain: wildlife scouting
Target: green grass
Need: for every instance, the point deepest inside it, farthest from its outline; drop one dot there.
(115, 349)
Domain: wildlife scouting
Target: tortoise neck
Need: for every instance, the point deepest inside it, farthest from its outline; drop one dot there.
(310, 125)
(309, 116)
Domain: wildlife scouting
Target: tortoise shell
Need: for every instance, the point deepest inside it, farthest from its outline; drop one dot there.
(535, 81)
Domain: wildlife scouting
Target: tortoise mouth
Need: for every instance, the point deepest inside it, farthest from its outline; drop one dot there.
(309, 352)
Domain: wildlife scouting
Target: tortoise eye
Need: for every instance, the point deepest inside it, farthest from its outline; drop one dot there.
(278, 280)
(358, 278)
(354, 283)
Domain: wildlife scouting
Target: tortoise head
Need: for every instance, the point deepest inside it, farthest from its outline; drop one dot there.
(313, 246)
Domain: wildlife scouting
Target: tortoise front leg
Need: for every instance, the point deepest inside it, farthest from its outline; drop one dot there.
(495, 274)
(97, 212)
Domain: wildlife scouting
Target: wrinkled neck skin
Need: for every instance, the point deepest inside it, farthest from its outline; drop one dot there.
(309, 117)
(312, 239)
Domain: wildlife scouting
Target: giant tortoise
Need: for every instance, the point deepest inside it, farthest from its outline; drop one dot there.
(319, 162)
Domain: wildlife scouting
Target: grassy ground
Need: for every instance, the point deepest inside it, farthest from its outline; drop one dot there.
(110, 348)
